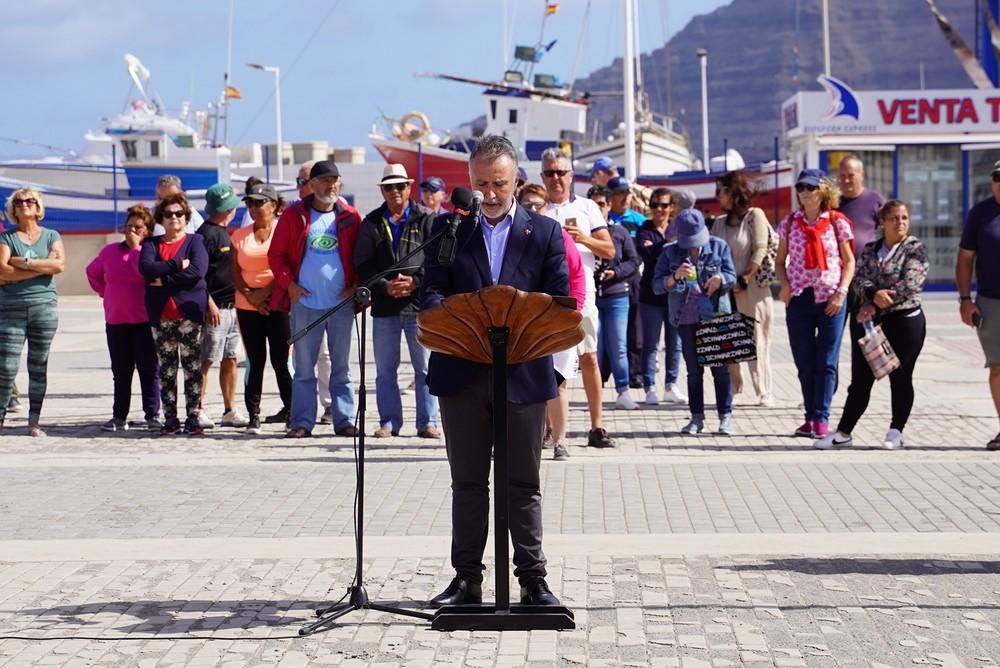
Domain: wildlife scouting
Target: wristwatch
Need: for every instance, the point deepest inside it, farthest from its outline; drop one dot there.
(964, 298)
(25, 263)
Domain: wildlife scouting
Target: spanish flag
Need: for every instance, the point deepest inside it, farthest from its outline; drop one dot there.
(551, 8)
(233, 93)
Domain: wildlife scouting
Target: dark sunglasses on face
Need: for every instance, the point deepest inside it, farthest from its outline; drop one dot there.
(601, 203)
(395, 186)
(27, 201)
(300, 181)
(549, 173)
(254, 203)
(534, 206)
(996, 179)
(167, 215)
(661, 205)
(805, 187)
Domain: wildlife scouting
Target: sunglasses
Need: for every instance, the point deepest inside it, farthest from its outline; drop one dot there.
(601, 203)
(301, 181)
(395, 186)
(549, 173)
(661, 205)
(27, 201)
(167, 215)
(996, 179)
(805, 187)
(534, 206)
(255, 203)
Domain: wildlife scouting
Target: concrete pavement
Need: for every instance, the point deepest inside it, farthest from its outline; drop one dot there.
(122, 549)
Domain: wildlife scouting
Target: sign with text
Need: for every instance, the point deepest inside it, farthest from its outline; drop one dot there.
(843, 111)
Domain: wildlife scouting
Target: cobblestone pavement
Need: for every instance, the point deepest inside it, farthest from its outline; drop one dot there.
(126, 550)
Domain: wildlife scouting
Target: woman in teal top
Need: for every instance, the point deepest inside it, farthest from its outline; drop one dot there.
(30, 256)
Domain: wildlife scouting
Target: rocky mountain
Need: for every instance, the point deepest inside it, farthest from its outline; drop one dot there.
(875, 44)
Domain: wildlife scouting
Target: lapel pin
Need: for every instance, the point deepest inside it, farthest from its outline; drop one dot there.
(527, 231)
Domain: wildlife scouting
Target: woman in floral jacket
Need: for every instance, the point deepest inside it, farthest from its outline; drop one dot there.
(890, 277)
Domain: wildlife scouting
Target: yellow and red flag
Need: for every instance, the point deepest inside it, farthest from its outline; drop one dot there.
(551, 8)
(233, 93)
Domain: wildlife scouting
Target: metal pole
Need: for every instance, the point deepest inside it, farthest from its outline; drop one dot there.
(277, 120)
(267, 164)
(826, 37)
(703, 57)
(629, 75)
(725, 154)
(777, 184)
(114, 180)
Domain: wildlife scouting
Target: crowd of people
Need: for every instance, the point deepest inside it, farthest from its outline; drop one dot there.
(184, 293)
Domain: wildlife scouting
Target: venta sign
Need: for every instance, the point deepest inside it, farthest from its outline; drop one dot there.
(840, 110)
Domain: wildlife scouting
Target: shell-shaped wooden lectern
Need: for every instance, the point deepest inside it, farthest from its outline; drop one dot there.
(501, 325)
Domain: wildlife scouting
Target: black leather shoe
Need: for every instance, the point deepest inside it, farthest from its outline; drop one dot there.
(460, 592)
(536, 592)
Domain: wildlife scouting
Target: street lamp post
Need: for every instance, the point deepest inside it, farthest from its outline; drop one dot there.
(703, 57)
(276, 71)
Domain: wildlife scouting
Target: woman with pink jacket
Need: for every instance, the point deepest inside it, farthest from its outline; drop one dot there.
(114, 275)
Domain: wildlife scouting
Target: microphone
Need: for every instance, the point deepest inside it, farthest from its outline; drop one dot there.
(477, 204)
(461, 199)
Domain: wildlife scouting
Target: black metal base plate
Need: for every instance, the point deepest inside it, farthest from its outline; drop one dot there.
(518, 618)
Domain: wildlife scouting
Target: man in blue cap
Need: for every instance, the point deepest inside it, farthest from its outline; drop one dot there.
(603, 171)
(619, 196)
(432, 192)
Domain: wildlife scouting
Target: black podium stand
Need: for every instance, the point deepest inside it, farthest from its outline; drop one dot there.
(502, 616)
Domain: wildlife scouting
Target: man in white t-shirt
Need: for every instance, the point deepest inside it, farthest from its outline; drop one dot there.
(168, 184)
(582, 220)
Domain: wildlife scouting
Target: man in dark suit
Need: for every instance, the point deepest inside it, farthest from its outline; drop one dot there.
(508, 245)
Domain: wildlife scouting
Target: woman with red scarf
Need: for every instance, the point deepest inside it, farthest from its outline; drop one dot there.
(815, 265)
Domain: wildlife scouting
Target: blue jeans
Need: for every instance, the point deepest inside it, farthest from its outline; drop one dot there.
(815, 341)
(654, 321)
(339, 333)
(612, 336)
(696, 387)
(385, 338)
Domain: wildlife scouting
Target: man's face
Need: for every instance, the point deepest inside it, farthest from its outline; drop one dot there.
(396, 195)
(303, 183)
(660, 208)
(432, 200)
(557, 175)
(496, 180)
(602, 204)
(851, 177)
(601, 177)
(619, 201)
(163, 191)
(995, 185)
(325, 187)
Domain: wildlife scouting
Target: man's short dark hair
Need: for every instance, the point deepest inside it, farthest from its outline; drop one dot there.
(491, 147)
(597, 191)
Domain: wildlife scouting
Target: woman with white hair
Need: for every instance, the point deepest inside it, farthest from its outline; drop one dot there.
(30, 255)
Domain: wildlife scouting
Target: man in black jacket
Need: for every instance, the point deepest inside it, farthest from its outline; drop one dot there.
(388, 233)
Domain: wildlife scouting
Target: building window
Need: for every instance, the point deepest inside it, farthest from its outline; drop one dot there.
(930, 181)
(128, 146)
(493, 109)
(154, 149)
(980, 175)
(512, 116)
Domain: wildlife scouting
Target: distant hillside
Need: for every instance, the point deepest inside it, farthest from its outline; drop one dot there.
(875, 44)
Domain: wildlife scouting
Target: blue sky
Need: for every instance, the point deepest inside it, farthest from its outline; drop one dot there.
(63, 62)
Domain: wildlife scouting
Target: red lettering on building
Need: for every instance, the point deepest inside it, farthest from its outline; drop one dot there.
(888, 114)
(907, 113)
(929, 111)
(994, 103)
(967, 112)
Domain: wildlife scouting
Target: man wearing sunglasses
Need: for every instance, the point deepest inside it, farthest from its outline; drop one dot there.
(981, 239)
(389, 233)
(585, 223)
(312, 258)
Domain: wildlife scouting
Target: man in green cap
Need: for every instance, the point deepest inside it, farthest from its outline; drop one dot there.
(220, 338)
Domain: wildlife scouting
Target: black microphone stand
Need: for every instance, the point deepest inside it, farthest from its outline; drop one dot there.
(358, 595)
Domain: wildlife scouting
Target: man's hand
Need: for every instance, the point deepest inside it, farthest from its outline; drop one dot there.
(214, 318)
(608, 274)
(967, 309)
(713, 284)
(575, 234)
(401, 286)
(296, 292)
(884, 298)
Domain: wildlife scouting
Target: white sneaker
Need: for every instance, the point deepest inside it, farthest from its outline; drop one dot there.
(674, 395)
(651, 398)
(233, 418)
(767, 401)
(626, 401)
(837, 439)
(204, 421)
(893, 439)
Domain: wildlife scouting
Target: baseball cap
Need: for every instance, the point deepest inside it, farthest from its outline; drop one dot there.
(604, 163)
(220, 198)
(323, 168)
(812, 177)
(618, 184)
(996, 167)
(261, 191)
(433, 184)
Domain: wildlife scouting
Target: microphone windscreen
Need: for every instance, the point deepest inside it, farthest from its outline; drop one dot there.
(461, 198)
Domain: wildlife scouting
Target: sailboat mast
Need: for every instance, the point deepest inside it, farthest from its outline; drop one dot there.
(629, 92)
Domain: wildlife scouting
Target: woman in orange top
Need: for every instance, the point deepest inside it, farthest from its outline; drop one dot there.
(260, 326)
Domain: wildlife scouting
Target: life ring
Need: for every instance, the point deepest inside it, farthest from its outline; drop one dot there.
(413, 126)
